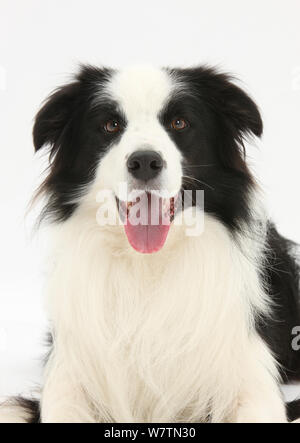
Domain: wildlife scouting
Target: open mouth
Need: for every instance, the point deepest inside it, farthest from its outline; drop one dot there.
(147, 220)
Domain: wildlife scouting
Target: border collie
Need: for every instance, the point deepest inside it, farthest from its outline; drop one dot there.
(185, 318)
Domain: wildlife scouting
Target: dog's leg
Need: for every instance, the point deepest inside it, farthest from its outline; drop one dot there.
(63, 399)
(260, 399)
(14, 412)
(261, 402)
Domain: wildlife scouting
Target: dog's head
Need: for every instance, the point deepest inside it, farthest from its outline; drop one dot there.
(159, 132)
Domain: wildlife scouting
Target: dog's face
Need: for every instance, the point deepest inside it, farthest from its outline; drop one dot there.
(159, 131)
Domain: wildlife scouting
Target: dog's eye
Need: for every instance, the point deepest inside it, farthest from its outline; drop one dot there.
(112, 126)
(179, 124)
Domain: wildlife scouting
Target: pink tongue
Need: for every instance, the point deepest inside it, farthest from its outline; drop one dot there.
(147, 237)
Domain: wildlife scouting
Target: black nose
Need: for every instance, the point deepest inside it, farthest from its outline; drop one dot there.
(145, 165)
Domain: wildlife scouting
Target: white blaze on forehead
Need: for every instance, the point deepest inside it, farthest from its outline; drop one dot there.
(141, 94)
(141, 90)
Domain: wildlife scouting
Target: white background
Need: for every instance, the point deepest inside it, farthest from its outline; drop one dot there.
(41, 43)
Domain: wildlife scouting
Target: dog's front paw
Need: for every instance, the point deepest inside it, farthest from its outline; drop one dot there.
(256, 415)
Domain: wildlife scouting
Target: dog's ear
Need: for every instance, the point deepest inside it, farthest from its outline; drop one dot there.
(239, 110)
(235, 111)
(54, 117)
(236, 115)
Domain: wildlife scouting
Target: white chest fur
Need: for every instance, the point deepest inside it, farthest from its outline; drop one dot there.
(159, 337)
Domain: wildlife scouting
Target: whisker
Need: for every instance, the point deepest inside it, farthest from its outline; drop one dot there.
(199, 181)
(199, 166)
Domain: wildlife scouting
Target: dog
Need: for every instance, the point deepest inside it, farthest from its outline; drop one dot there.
(189, 319)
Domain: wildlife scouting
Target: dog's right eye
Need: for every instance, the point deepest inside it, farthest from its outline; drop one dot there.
(112, 126)
(179, 124)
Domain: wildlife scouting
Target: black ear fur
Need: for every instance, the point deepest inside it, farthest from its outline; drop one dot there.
(239, 114)
(229, 101)
(239, 117)
(235, 112)
(238, 108)
(54, 116)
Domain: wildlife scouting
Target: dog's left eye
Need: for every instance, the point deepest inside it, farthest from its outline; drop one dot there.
(112, 126)
(179, 124)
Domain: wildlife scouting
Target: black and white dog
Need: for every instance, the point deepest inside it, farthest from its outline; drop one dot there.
(186, 319)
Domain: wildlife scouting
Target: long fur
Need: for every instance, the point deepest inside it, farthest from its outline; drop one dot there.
(181, 335)
(154, 378)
